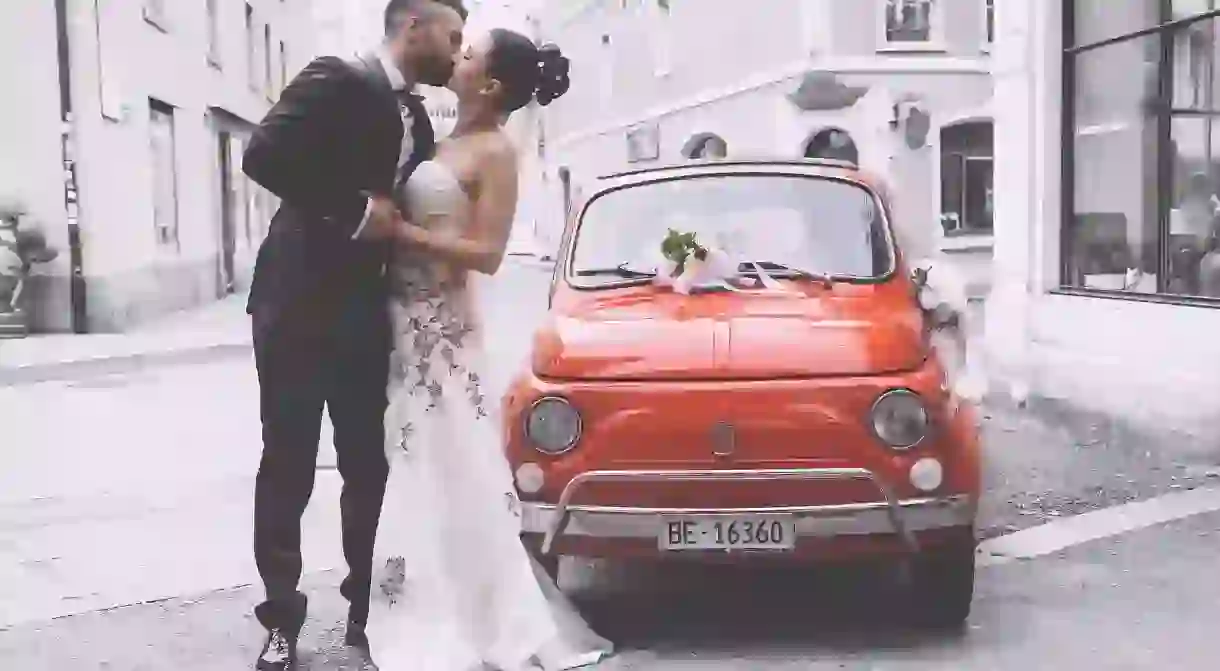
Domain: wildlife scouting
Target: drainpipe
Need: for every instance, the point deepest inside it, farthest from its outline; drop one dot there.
(71, 203)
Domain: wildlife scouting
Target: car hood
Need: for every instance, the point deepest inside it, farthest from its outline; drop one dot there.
(653, 335)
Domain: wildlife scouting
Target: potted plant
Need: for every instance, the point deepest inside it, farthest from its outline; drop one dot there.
(22, 245)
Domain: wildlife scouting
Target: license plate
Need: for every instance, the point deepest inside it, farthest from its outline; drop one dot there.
(728, 532)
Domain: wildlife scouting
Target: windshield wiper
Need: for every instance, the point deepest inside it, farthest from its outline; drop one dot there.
(753, 267)
(620, 270)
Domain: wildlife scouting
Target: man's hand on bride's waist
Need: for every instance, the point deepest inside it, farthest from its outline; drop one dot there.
(382, 220)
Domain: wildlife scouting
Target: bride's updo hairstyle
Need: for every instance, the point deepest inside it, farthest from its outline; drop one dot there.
(526, 71)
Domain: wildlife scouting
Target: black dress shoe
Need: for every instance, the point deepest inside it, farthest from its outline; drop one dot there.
(355, 636)
(279, 654)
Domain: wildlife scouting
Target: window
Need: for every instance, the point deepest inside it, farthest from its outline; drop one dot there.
(911, 24)
(778, 218)
(213, 33)
(965, 178)
(833, 144)
(1142, 153)
(706, 146)
(988, 23)
(154, 13)
(660, 22)
(268, 80)
(607, 67)
(251, 49)
(165, 173)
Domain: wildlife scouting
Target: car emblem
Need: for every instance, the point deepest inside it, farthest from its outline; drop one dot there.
(724, 439)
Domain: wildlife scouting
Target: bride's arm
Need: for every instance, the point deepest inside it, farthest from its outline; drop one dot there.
(482, 245)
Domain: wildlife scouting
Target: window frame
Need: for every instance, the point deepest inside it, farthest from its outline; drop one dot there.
(1164, 111)
(268, 66)
(252, 39)
(988, 26)
(964, 157)
(936, 31)
(661, 26)
(606, 62)
(214, 42)
(158, 108)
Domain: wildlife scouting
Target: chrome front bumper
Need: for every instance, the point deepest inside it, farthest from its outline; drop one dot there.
(902, 517)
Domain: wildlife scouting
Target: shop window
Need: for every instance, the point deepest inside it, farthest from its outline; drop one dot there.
(966, 193)
(833, 144)
(1142, 153)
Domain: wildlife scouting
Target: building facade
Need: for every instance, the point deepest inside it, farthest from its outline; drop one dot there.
(903, 87)
(1107, 262)
(157, 98)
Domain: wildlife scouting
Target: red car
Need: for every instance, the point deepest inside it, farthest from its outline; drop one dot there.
(808, 422)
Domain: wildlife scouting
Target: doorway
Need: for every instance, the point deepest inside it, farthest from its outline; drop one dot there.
(228, 226)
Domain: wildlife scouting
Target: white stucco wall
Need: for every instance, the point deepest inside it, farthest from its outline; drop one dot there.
(739, 94)
(118, 62)
(1148, 361)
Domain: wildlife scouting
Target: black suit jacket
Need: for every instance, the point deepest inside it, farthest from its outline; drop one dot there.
(334, 136)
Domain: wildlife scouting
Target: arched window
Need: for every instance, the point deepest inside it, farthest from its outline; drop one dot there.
(705, 146)
(966, 151)
(834, 144)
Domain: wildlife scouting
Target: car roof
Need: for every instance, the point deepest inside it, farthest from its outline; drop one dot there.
(805, 166)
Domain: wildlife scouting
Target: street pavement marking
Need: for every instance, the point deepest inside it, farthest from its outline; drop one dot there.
(1054, 536)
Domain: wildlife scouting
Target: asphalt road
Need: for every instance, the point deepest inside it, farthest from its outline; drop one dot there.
(125, 536)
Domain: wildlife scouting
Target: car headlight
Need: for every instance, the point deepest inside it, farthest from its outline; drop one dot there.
(900, 419)
(553, 425)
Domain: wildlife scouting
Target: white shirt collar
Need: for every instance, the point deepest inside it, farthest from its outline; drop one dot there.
(397, 82)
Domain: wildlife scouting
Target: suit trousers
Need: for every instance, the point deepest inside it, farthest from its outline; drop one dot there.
(342, 368)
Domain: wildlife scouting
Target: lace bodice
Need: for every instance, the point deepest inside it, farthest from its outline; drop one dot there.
(435, 200)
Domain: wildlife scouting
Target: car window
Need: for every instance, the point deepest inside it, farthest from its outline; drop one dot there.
(815, 224)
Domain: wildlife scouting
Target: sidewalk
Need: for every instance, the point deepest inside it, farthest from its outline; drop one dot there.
(221, 327)
(215, 330)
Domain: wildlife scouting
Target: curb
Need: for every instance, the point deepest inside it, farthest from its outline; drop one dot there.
(120, 363)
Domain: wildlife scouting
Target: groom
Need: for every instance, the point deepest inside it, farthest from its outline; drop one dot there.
(342, 137)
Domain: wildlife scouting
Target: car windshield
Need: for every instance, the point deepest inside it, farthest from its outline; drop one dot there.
(812, 225)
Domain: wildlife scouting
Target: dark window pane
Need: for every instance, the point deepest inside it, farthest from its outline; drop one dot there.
(909, 20)
(1097, 20)
(1194, 259)
(1111, 240)
(966, 159)
(1195, 81)
(952, 187)
(978, 194)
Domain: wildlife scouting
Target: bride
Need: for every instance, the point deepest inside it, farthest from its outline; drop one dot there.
(453, 588)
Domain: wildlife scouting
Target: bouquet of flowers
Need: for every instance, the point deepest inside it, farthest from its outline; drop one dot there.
(686, 264)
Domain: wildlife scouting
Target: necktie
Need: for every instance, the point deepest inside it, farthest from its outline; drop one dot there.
(423, 140)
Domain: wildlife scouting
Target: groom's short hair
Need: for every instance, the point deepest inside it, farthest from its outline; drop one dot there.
(396, 9)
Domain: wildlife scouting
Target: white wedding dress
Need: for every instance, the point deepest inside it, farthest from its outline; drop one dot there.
(453, 588)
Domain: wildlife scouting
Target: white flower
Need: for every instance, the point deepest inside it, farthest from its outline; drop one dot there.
(720, 264)
(665, 272)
